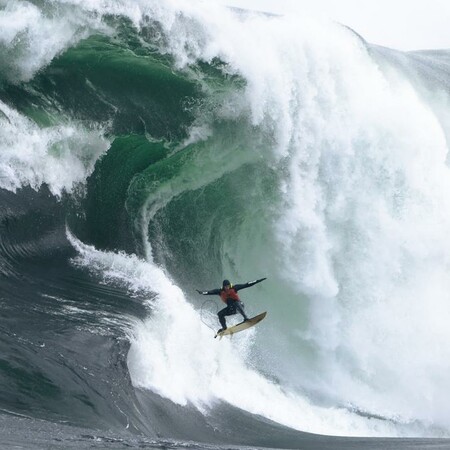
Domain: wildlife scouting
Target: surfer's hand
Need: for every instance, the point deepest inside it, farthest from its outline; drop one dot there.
(200, 292)
(261, 279)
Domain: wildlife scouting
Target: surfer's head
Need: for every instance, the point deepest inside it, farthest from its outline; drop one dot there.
(226, 284)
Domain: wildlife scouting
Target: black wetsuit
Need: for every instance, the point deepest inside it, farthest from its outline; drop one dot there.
(232, 300)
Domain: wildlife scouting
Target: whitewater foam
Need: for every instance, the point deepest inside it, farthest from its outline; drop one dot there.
(60, 156)
(174, 354)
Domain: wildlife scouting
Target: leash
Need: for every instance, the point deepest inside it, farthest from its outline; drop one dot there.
(205, 314)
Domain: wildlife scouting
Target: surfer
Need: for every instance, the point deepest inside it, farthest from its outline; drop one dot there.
(229, 295)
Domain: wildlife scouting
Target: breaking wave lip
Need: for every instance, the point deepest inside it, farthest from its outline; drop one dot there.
(31, 37)
(60, 156)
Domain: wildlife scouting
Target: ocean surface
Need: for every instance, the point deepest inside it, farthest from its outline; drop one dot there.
(152, 148)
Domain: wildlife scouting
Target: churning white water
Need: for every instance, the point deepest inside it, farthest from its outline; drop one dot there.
(60, 155)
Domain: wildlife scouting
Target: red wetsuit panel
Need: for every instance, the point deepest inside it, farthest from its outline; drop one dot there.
(230, 294)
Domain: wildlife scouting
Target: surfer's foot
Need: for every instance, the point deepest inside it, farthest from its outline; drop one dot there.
(246, 319)
(221, 329)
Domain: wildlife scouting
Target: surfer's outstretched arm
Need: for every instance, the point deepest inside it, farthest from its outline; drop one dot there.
(238, 287)
(211, 292)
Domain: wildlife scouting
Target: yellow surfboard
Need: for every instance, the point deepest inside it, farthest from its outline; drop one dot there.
(242, 326)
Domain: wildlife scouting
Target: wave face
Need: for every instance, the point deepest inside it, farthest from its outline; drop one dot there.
(152, 148)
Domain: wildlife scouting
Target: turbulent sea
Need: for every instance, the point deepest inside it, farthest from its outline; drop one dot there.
(151, 148)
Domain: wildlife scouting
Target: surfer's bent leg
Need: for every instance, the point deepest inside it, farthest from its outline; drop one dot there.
(228, 311)
(240, 308)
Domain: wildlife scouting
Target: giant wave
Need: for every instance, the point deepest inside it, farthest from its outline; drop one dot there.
(150, 149)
